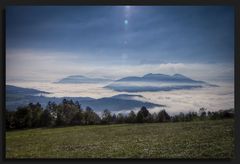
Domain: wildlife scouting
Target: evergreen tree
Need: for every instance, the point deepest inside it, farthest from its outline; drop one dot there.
(163, 116)
(143, 115)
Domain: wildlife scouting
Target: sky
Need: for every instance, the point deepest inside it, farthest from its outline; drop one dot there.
(51, 42)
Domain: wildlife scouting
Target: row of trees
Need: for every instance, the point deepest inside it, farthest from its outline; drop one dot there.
(203, 114)
(71, 113)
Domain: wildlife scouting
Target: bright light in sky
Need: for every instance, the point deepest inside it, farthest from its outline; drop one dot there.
(126, 22)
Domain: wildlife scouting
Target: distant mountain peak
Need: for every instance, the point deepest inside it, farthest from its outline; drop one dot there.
(74, 79)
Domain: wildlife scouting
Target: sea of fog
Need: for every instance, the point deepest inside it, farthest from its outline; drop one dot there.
(212, 98)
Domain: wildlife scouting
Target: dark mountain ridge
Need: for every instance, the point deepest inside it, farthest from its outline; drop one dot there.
(10, 89)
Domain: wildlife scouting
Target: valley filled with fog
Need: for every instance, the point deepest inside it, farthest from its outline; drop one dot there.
(184, 100)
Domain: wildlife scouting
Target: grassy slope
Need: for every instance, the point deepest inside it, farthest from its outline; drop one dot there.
(203, 139)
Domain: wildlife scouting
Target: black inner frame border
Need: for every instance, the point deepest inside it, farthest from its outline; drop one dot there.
(233, 3)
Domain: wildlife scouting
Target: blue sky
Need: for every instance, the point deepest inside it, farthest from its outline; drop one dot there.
(44, 39)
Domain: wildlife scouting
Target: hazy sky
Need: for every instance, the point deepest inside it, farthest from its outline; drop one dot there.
(48, 43)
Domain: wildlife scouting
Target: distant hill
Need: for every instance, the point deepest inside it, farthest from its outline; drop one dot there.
(160, 78)
(10, 89)
(114, 103)
(155, 82)
(82, 79)
(14, 93)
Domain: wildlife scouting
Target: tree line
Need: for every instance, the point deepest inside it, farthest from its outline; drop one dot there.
(69, 113)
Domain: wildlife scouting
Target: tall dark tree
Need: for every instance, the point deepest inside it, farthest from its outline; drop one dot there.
(163, 116)
(91, 117)
(143, 115)
(131, 117)
(106, 117)
(69, 111)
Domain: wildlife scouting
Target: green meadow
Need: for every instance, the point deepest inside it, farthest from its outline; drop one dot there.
(194, 140)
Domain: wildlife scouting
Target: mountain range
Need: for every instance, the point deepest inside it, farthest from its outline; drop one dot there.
(156, 82)
(159, 78)
(17, 96)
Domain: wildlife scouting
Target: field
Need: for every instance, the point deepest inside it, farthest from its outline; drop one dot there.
(201, 139)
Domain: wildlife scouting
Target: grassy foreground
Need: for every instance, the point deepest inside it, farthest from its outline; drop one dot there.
(202, 139)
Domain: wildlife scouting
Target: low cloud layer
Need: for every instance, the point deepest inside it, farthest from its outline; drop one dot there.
(212, 98)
